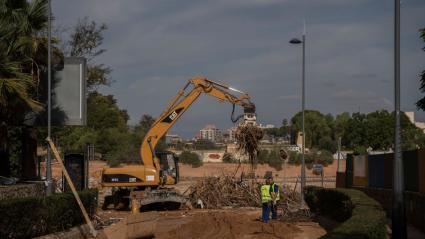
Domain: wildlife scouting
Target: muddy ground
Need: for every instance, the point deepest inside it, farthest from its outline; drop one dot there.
(225, 223)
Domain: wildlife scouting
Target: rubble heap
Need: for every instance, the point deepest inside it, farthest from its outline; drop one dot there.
(247, 138)
(226, 191)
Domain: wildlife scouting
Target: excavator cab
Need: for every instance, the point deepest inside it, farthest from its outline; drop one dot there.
(169, 167)
(249, 115)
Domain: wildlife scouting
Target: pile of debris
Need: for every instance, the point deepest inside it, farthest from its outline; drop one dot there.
(226, 191)
(289, 206)
(247, 137)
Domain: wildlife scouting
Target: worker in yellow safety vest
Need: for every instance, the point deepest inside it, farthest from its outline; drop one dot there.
(266, 200)
(275, 197)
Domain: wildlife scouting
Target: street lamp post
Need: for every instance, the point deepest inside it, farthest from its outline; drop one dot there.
(297, 41)
(339, 154)
(49, 102)
(398, 210)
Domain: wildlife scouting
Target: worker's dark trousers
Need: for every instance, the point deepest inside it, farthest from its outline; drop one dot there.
(266, 212)
(274, 211)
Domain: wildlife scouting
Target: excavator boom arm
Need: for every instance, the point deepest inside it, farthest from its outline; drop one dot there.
(179, 105)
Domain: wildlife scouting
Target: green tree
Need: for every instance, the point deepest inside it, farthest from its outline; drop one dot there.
(341, 127)
(326, 143)
(316, 127)
(145, 123)
(187, 157)
(118, 146)
(204, 144)
(286, 128)
(274, 160)
(86, 41)
(411, 136)
(142, 128)
(103, 112)
(75, 139)
(379, 130)
(356, 131)
(376, 130)
(294, 158)
(330, 121)
(22, 47)
(421, 103)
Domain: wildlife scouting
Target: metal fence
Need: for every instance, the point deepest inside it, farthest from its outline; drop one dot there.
(295, 182)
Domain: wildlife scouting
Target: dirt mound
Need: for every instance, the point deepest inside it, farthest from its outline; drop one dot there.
(230, 224)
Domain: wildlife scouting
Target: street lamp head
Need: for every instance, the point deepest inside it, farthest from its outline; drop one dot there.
(295, 41)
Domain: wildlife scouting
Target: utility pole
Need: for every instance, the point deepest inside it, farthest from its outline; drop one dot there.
(297, 41)
(49, 101)
(398, 212)
(303, 109)
(339, 154)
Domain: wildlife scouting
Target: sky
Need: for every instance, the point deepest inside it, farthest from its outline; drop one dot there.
(154, 47)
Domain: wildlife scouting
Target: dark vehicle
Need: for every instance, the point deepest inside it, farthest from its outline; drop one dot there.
(317, 169)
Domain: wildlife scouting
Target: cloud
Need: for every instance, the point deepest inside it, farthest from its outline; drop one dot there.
(364, 75)
(289, 97)
(155, 46)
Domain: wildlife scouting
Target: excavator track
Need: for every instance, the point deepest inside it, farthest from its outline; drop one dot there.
(158, 199)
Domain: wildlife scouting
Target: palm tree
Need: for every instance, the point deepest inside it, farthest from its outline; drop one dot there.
(22, 58)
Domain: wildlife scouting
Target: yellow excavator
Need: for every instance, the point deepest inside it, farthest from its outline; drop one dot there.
(144, 185)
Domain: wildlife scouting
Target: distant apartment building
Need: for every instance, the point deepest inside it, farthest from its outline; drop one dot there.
(411, 116)
(266, 126)
(172, 139)
(211, 133)
(231, 134)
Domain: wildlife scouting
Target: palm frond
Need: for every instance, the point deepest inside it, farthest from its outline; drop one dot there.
(14, 93)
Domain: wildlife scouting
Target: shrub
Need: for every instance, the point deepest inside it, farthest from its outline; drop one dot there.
(294, 158)
(360, 150)
(187, 157)
(36, 216)
(334, 204)
(228, 158)
(362, 216)
(310, 197)
(274, 160)
(325, 157)
(262, 156)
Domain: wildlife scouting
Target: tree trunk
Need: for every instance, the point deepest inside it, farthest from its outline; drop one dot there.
(4, 153)
(29, 153)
